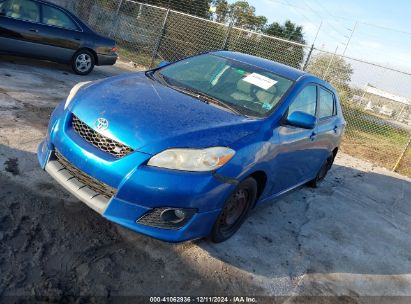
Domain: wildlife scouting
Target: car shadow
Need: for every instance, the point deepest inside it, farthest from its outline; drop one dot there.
(62, 70)
(357, 222)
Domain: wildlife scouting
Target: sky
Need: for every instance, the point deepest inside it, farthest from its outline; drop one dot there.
(382, 34)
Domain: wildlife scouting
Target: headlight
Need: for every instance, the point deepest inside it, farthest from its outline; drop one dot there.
(199, 160)
(73, 92)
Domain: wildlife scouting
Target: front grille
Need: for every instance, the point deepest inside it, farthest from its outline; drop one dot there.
(100, 141)
(87, 180)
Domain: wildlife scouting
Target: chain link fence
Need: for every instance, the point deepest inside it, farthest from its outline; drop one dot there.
(379, 122)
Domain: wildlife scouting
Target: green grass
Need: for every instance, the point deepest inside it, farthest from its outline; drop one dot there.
(141, 58)
(371, 138)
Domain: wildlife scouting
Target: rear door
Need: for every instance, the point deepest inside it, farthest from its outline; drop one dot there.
(19, 21)
(60, 35)
(298, 154)
(329, 128)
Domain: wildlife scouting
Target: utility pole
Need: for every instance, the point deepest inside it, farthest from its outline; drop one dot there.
(349, 39)
(318, 31)
(329, 64)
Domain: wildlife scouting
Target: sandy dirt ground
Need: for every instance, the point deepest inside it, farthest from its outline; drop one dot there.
(349, 237)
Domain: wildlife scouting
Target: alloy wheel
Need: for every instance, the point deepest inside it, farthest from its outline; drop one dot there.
(83, 62)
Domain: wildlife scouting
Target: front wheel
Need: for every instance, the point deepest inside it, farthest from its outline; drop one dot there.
(83, 62)
(235, 210)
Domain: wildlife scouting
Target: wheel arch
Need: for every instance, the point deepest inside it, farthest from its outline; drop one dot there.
(335, 151)
(261, 179)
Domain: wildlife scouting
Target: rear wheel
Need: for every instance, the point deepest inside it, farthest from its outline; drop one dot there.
(235, 210)
(322, 173)
(83, 62)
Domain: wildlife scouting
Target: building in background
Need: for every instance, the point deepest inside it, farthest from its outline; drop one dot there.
(385, 103)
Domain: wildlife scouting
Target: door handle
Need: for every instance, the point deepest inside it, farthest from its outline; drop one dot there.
(335, 129)
(34, 30)
(313, 136)
(77, 38)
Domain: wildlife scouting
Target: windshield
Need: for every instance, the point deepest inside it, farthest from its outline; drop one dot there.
(243, 87)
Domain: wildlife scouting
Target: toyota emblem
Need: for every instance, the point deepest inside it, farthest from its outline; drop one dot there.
(102, 124)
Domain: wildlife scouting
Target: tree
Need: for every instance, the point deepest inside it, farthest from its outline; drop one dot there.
(222, 9)
(287, 53)
(200, 8)
(239, 14)
(335, 70)
(289, 31)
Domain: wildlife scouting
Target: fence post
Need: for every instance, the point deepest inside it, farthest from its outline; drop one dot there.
(397, 164)
(227, 37)
(160, 38)
(114, 23)
(308, 57)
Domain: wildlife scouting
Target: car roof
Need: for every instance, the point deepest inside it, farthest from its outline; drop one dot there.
(269, 65)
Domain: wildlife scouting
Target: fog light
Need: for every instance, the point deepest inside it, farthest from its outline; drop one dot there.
(173, 215)
(167, 218)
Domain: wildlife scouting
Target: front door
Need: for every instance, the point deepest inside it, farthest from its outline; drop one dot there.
(19, 21)
(298, 154)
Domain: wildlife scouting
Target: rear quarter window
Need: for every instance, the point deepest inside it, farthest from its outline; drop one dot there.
(326, 104)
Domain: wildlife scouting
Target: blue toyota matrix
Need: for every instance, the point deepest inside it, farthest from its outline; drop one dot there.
(186, 150)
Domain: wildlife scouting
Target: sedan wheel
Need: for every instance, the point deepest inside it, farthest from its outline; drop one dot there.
(235, 210)
(83, 62)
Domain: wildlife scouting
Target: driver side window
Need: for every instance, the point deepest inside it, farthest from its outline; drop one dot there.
(306, 101)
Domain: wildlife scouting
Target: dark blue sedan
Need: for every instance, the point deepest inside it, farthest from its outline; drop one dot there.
(186, 150)
(39, 29)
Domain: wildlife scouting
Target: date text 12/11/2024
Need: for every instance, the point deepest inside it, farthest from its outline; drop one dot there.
(234, 299)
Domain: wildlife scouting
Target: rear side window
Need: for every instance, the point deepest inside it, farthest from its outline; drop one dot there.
(326, 104)
(306, 101)
(55, 17)
(21, 9)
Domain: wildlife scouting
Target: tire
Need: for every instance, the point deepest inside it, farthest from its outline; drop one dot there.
(83, 62)
(235, 211)
(322, 173)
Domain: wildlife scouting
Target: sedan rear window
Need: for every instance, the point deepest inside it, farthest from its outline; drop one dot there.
(249, 89)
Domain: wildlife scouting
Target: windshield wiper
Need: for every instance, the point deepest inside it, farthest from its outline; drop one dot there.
(194, 93)
(206, 98)
(211, 99)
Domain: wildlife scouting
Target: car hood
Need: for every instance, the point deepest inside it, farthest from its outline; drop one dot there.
(151, 117)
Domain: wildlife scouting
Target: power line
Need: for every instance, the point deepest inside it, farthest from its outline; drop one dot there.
(294, 8)
(322, 6)
(300, 13)
(386, 28)
(321, 16)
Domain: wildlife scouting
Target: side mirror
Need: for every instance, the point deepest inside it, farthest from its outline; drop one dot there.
(163, 63)
(301, 120)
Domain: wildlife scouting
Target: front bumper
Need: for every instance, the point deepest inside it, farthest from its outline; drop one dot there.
(139, 191)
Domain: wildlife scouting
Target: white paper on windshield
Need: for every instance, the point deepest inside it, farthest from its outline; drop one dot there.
(260, 81)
